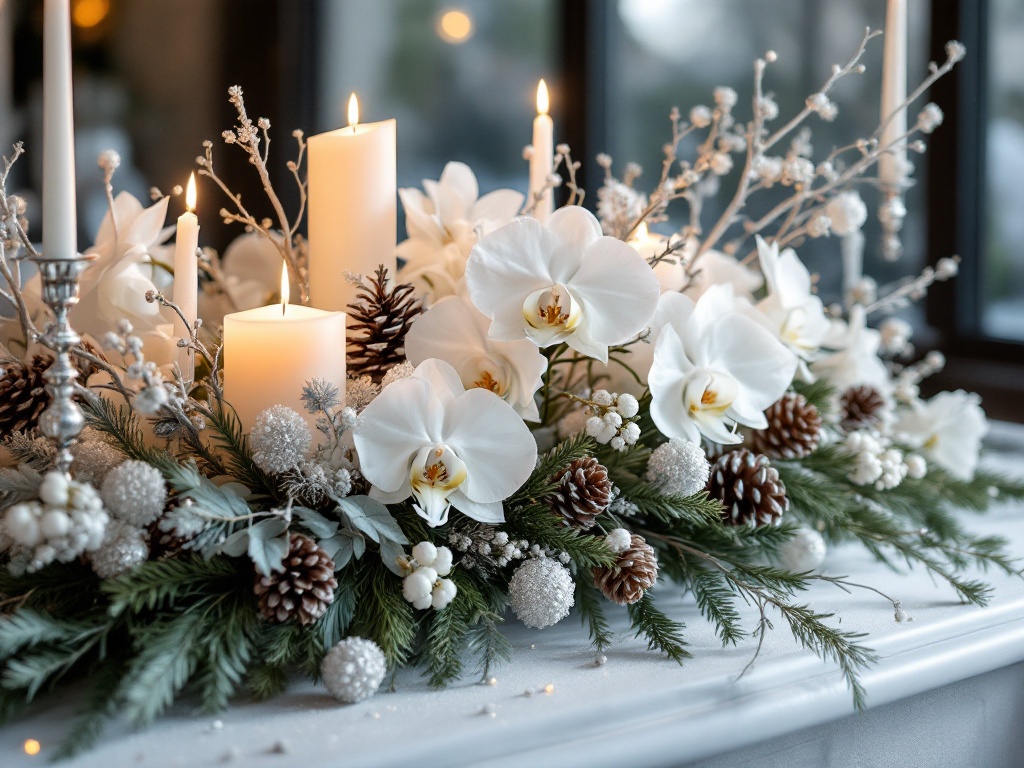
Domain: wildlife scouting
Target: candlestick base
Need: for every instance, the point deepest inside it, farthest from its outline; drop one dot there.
(62, 420)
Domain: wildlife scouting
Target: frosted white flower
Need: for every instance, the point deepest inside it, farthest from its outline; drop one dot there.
(725, 97)
(279, 439)
(948, 430)
(819, 226)
(955, 50)
(769, 170)
(715, 367)
(455, 331)
(428, 437)
(721, 163)
(895, 335)
(444, 223)
(794, 313)
(679, 467)
(700, 116)
(855, 360)
(561, 282)
(847, 212)
(797, 170)
(929, 118)
(618, 205)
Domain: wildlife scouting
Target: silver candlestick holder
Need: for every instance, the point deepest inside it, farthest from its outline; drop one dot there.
(62, 420)
(891, 214)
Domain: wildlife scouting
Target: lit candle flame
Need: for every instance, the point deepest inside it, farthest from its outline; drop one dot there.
(353, 112)
(286, 288)
(542, 97)
(190, 192)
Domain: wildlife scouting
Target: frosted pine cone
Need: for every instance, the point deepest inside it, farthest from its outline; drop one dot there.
(634, 572)
(22, 393)
(861, 407)
(303, 589)
(794, 429)
(584, 492)
(749, 487)
(378, 324)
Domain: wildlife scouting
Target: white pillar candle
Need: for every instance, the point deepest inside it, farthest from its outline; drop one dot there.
(271, 352)
(186, 277)
(60, 226)
(352, 207)
(892, 166)
(542, 158)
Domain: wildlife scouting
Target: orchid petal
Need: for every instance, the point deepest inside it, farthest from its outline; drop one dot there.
(461, 181)
(492, 513)
(501, 205)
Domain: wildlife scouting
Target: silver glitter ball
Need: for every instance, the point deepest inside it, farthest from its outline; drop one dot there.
(353, 669)
(541, 592)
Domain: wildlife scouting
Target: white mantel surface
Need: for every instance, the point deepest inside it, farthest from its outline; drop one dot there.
(637, 709)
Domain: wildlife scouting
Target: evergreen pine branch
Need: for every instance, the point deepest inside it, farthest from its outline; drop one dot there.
(161, 583)
(227, 649)
(539, 525)
(99, 706)
(591, 610)
(714, 600)
(558, 458)
(168, 654)
(122, 425)
(445, 642)
(652, 502)
(266, 681)
(333, 625)
(60, 588)
(661, 632)
(28, 628)
(383, 615)
(229, 435)
(819, 393)
(47, 664)
(12, 704)
(486, 642)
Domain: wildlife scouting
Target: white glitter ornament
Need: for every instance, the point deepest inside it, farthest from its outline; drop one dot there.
(279, 439)
(124, 547)
(804, 552)
(541, 592)
(353, 669)
(135, 493)
(679, 467)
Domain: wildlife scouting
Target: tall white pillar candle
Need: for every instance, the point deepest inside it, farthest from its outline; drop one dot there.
(352, 207)
(542, 159)
(60, 227)
(271, 352)
(186, 276)
(892, 166)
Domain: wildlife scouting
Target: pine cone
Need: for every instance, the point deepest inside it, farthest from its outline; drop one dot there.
(22, 393)
(794, 429)
(303, 589)
(749, 487)
(861, 406)
(378, 323)
(584, 492)
(636, 570)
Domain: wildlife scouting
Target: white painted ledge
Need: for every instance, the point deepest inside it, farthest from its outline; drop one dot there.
(638, 709)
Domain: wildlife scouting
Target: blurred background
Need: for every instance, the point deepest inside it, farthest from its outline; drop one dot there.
(460, 76)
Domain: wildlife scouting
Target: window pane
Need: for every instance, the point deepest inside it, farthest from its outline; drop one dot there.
(675, 52)
(1003, 265)
(460, 78)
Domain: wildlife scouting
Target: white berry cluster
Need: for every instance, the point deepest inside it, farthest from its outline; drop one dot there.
(611, 423)
(151, 394)
(878, 463)
(423, 586)
(66, 521)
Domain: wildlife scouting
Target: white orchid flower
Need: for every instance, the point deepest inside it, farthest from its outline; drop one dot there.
(948, 429)
(130, 239)
(427, 437)
(444, 224)
(455, 331)
(561, 281)
(794, 313)
(715, 367)
(716, 268)
(855, 360)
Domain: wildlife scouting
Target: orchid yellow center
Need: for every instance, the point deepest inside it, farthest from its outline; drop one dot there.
(552, 314)
(708, 395)
(487, 381)
(436, 474)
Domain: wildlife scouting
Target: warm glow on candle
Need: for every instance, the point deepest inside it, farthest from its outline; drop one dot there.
(353, 111)
(542, 97)
(190, 193)
(32, 747)
(286, 288)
